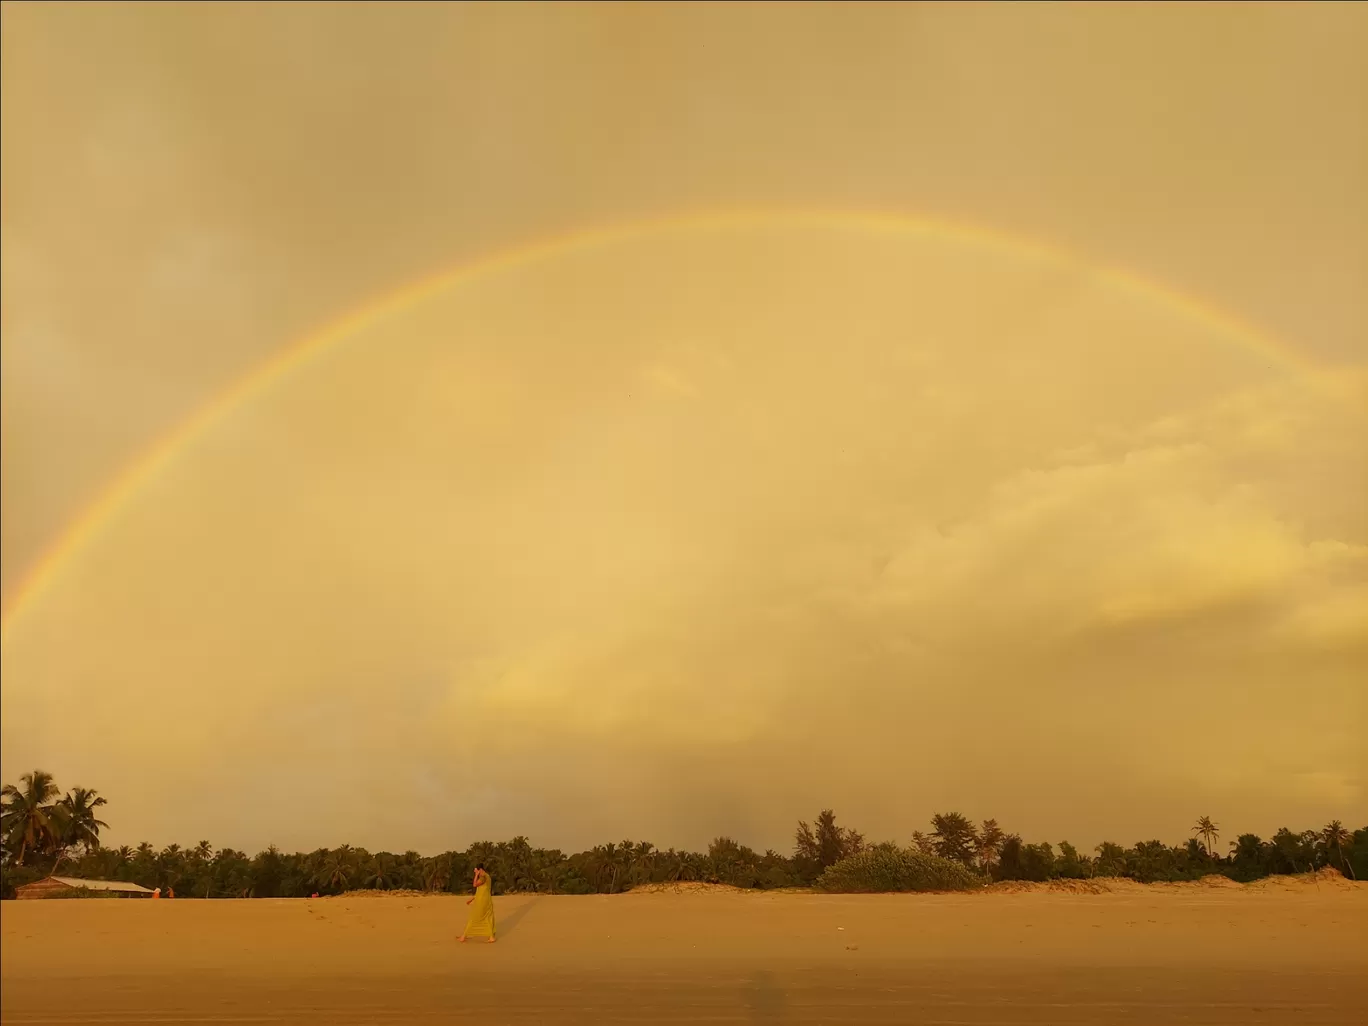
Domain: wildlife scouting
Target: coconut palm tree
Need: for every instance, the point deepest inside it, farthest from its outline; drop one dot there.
(171, 865)
(336, 869)
(643, 863)
(76, 818)
(1208, 832)
(672, 865)
(409, 876)
(604, 863)
(380, 872)
(144, 863)
(119, 860)
(28, 816)
(1335, 837)
(437, 873)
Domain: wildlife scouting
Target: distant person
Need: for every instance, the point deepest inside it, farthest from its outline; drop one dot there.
(156, 893)
(481, 921)
(170, 892)
(314, 894)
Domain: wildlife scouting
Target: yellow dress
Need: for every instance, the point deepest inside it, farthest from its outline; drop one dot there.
(481, 921)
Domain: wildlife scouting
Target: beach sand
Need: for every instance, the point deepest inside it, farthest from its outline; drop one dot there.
(1278, 953)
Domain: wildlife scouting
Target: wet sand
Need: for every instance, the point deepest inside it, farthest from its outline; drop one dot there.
(1293, 954)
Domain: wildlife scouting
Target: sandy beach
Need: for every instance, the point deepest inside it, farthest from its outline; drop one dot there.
(1290, 953)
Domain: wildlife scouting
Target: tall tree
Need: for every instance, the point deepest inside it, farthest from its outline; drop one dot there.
(76, 818)
(824, 844)
(1010, 864)
(1334, 836)
(337, 868)
(1208, 832)
(1071, 864)
(988, 844)
(1111, 859)
(923, 843)
(437, 873)
(956, 838)
(379, 873)
(28, 818)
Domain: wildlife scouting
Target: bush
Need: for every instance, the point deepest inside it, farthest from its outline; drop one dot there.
(13, 877)
(884, 868)
(83, 893)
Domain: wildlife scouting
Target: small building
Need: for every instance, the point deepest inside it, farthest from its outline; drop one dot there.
(73, 887)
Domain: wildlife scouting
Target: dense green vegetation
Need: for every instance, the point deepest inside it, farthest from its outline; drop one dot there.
(886, 867)
(44, 831)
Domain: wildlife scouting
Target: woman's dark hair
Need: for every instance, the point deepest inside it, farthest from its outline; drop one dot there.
(479, 865)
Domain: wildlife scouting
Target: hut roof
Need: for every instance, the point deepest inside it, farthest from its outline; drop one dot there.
(101, 885)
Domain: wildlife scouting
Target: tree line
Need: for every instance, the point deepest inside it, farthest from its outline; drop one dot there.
(44, 832)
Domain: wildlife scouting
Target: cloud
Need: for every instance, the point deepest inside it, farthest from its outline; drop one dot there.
(672, 381)
(466, 560)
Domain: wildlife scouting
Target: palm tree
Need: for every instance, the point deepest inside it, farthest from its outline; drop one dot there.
(604, 864)
(378, 874)
(336, 869)
(437, 873)
(410, 874)
(1208, 832)
(171, 865)
(1335, 837)
(672, 865)
(145, 861)
(76, 814)
(28, 814)
(120, 857)
(644, 860)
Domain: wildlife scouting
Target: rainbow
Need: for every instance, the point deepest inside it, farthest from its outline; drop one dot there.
(300, 354)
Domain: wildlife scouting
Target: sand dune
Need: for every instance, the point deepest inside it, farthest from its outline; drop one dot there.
(1295, 953)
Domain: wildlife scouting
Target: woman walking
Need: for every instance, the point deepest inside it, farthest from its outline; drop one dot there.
(481, 921)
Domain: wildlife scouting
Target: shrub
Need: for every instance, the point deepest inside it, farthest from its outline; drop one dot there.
(83, 893)
(13, 877)
(884, 868)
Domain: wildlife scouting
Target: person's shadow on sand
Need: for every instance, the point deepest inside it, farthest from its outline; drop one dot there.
(763, 997)
(506, 924)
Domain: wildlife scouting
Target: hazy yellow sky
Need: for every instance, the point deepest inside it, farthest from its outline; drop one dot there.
(702, 528)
